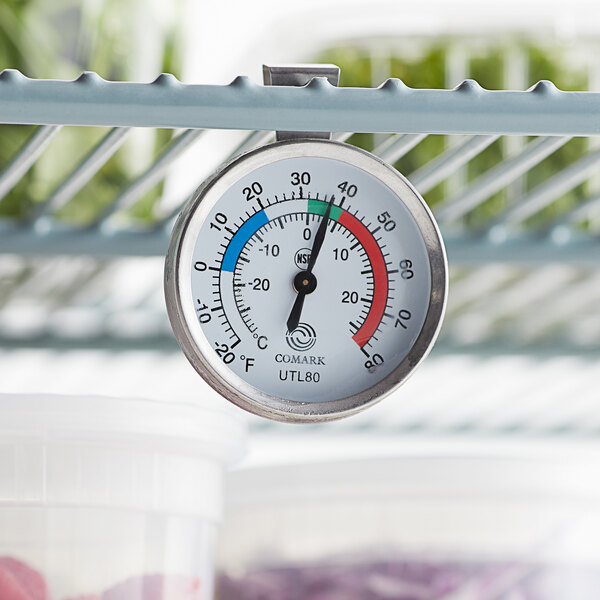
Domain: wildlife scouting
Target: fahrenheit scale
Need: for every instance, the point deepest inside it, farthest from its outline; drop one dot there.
(306, 280)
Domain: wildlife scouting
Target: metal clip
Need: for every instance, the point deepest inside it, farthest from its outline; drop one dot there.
(299, 75)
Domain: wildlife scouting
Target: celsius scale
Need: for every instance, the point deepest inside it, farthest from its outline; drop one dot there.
(306, 279)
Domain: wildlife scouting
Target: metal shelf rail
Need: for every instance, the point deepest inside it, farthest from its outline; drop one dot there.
(318, 106)
(409, 115)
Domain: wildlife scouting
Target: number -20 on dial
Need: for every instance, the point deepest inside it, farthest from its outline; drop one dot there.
(306, 280)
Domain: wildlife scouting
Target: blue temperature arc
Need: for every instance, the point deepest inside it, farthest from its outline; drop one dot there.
(242, 235)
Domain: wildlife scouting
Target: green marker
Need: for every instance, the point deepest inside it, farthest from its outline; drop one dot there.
(318, 207)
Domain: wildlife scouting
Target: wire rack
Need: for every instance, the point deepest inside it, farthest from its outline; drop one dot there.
(468, 110)
(524, 277)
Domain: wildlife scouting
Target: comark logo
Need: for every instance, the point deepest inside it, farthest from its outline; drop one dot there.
(300, 359)
(302, 257)
(303, 338)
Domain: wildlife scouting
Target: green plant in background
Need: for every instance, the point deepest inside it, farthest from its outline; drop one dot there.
(425, 71)
(487, 68)
(487, 64)
(24, 43)
(549, 63)
(60, 40)
(355, 72)
(115, 174)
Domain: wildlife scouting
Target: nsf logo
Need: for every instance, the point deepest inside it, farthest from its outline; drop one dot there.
(301, 258)
(302, 339)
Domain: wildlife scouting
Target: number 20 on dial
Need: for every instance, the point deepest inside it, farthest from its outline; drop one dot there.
(306, 280)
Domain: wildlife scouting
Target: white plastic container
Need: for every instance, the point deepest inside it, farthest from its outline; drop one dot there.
(414, 528)
(111, 499)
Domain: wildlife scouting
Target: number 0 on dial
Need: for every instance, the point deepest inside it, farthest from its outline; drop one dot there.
(306, 280)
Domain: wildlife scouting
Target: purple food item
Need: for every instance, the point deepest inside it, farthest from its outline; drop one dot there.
(19, 581)
(413, 579)
(151, 587)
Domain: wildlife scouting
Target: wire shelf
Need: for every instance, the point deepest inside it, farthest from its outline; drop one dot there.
(524, 263)
(481, 115)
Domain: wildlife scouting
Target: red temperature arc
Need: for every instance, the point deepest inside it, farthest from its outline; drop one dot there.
(380, 277)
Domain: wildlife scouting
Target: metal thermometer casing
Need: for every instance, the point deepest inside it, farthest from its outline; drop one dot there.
(247, 234)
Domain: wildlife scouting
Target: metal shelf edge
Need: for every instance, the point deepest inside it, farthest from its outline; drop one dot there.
(391, 108)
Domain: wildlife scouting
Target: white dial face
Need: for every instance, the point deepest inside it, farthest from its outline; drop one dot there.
(309, 277)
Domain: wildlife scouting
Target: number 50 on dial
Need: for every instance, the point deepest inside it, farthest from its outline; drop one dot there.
(306, 280)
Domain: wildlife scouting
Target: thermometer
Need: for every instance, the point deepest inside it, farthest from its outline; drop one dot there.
(306, 280)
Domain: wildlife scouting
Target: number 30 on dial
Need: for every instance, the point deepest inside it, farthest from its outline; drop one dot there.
(306, 280)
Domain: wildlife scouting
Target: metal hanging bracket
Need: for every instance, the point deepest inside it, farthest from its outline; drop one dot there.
(300, 75)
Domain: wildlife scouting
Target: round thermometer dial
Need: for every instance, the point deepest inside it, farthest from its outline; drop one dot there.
(305, 280)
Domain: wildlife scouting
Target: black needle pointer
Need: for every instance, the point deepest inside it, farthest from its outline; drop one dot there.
(305, 282)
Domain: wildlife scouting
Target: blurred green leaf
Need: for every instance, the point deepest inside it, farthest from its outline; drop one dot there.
(64, 37)
(425, 67)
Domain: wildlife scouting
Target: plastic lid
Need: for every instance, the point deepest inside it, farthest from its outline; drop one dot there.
(391, 478)
(116, 453)
(458, 507)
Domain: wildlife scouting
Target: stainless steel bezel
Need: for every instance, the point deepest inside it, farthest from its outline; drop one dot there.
(179, 299)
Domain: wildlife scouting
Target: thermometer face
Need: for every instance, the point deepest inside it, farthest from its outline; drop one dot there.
(306, 280)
